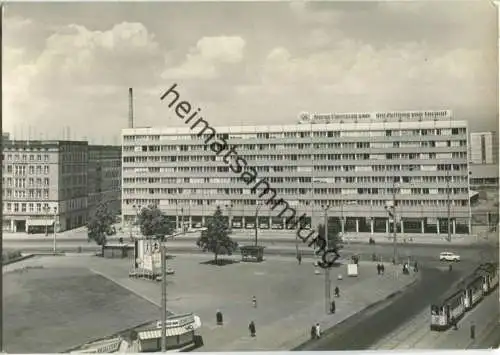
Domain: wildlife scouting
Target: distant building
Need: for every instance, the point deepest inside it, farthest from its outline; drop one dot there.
(5, 136)
(348, 161)
(104, 176)
(484, 148)
(484, 175)
(45, 184)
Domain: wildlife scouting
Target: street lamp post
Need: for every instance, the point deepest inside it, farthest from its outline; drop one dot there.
(327, 270)
(392, 213)
(229, 217)
(257, 221)
(182, 220)
(46, 210)
(55, 224)
(137, 209)
(448, 203)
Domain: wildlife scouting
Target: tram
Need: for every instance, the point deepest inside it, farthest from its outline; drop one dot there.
(473, 290)
(451, 307)
(464, 297)
(489, 274)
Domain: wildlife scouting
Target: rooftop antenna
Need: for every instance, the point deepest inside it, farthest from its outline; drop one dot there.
(130, 108)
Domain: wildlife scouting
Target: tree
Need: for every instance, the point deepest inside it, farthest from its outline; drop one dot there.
(334, 229)
(215, 238)
(100, 225)
(154, 223)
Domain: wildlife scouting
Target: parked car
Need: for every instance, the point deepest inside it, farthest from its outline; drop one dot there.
(449, 256)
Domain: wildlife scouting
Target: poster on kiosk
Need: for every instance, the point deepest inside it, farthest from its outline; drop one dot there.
(352, 270)
(148, 255)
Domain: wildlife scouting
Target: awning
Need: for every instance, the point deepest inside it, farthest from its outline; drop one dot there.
(473, 193)
(39, 222)
(156, 334)
(173, 331)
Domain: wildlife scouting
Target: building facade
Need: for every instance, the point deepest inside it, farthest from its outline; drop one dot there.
(484, 148)
(354, 163)
(45, 185)
(104, 177)
(5, 136)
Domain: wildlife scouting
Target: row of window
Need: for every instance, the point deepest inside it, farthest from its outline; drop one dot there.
(21, 194)
(295, 191)
(304, 134)
(290, 146)
(25, 157)
(295, 157)
(317, 180)
(289, 169)
(21, 183)
(303, 204)
(31, 169)
(27, 207)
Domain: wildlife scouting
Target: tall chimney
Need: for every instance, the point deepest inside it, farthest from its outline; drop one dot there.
(130, 108)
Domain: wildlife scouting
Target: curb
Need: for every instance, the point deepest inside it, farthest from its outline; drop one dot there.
(365, 309)
(18, 259)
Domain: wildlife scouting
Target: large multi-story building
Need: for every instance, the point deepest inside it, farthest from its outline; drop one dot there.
(104, 177)
(484, 148)
(356, 164)
(45, 184)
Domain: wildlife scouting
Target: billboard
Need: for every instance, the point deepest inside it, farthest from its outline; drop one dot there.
(148, 255)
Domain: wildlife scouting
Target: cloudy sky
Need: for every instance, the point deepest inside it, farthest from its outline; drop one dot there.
(70, 65)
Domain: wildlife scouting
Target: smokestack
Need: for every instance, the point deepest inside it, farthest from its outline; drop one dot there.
(130, 108)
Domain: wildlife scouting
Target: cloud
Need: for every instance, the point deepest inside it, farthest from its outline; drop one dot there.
(204, 60)
(16, 23)
(77, 64)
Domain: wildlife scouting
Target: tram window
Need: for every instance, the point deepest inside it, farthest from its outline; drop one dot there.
(434, 310)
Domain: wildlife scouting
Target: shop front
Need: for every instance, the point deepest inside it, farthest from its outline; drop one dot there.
(180, 331)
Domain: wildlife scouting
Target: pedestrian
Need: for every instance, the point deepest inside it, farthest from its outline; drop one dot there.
(313, 332)
(251, 328)
(299, 258)
(454, 323)
(472, 331)
(382, 268)
(450, 268)
(332, 307)
(337, 291)
(254, 302)
(415, 267)
(318, 331)
(379, 269)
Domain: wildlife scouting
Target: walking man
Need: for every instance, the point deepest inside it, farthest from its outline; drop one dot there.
(318, 331)
(254, 302)
(313, 332)
(251, 327)
(299, 258)
(337, 291)
(332, 307)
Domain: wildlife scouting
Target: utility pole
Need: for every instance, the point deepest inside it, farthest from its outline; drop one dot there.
(394, 227)
(391, 210)
(257, 222)
(448, 203)
(55, 225)
(163, 299)
(327, 270)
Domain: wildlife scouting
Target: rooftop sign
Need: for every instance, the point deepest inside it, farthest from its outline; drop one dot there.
(306, 117)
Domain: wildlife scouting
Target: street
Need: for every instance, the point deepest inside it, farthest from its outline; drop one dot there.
(186, 244)
(366, 328)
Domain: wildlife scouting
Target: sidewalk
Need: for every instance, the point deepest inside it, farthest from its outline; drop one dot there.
(286, 235)
(294, 329)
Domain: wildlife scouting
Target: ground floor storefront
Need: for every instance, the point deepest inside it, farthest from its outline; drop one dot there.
(424, 225)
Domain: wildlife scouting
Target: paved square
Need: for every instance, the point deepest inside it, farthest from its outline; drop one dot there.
(53, 310)
(290, 297)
